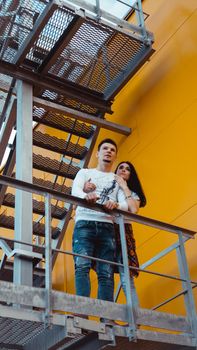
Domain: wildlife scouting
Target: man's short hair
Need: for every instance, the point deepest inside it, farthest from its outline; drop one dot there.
(112, 142)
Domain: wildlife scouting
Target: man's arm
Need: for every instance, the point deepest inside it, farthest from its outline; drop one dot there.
(78, 184)
(78, 188)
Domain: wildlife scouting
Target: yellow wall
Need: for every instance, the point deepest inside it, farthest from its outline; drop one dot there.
(160, 105)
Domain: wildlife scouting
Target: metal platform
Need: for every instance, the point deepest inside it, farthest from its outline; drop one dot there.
(50, 309)
(73, 54)
(25, 329)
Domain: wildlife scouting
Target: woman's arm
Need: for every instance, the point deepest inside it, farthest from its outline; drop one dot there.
(133, 204)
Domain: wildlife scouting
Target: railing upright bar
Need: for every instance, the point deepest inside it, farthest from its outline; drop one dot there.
(129, 300)
(188, 296)
(140, 17)
(48, 260)
(98, 9)
(116, 295)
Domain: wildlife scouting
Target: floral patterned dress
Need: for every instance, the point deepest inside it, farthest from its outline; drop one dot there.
(131, 248)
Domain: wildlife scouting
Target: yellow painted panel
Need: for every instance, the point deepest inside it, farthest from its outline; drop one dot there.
(160, 105)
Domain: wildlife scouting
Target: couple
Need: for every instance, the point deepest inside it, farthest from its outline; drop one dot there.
(95, 233)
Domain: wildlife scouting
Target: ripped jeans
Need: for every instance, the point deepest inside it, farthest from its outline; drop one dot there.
(94, 238)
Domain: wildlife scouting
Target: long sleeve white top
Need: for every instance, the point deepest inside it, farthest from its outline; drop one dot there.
(106, 188)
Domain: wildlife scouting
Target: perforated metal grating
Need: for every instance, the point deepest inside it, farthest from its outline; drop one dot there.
(95, 56)
(16, 22)
(18, 332)
(52, 31)
(14, 333)
(68, 102)
(89, 59)
(59, 121)
(38, 228)
(5, 82)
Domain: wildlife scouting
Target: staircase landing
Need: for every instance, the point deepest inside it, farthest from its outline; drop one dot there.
(25, 328)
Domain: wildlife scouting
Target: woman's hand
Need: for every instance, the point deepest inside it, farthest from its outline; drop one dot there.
(89, 186)
(121, 182)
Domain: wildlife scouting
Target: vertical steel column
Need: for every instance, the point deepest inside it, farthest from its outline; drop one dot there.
(48, 260)
(130, 303)
(98, 9)
(140, 17)
(188, 296)
(23, 270)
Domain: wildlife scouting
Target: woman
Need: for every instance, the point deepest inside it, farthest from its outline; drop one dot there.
(128, 180)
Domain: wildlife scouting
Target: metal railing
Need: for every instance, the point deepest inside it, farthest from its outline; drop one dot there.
(182, 233)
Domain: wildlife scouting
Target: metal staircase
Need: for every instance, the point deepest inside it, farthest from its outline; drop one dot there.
(61, 65)
(59, 168)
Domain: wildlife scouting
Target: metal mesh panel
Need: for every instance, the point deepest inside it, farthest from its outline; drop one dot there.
(38, 206)
(95, 56)
(18, 332)
(120, 51)
(68, 102)
(17, 22)
(59, 121)
(81, 52)
(58, 22)
(58, 145)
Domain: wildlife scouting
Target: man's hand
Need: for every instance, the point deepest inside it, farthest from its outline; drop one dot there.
(91, 197)
(89, 186)
(110, 205)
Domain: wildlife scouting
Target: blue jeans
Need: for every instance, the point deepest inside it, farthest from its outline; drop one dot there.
(94, 238)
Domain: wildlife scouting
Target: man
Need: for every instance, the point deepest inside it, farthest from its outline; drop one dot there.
(94, 230)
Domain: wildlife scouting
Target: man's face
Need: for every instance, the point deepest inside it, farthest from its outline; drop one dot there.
(107, 153)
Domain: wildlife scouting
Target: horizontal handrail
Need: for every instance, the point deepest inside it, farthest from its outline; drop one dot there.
(49, 194)
(113, 263)
(18, 184)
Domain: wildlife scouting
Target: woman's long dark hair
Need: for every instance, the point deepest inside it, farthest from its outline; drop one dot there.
(134, 183)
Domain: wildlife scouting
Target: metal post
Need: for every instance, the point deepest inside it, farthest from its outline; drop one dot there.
(188, 296)
(130, 304)
(48, 260)
(117, 292)
(23, 269)
(98, 9)
(140, 17)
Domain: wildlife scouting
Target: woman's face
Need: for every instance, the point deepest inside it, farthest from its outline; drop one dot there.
(123, 171)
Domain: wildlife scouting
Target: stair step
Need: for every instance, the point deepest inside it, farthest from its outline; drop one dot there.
(60, 122)
(38, 207)
(38, 228)
(55, 144)
(6, 274)
(53, 166)
(51, 185)
(35, 249)
(40, 250)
